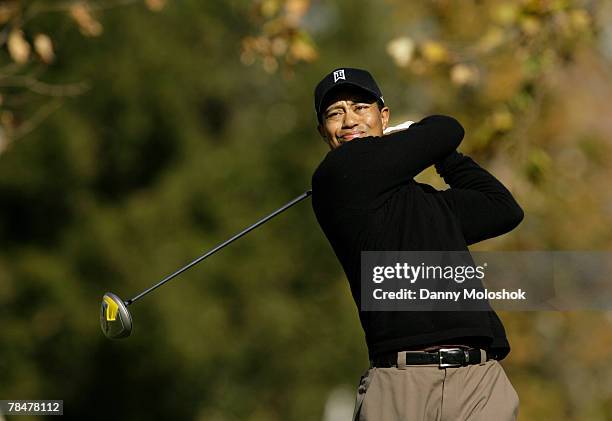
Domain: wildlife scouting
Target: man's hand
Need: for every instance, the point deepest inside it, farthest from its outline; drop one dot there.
(401, 126)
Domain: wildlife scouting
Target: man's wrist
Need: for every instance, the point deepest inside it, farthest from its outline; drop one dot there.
(444, 165)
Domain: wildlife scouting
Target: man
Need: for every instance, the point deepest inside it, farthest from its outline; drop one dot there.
(423, 365)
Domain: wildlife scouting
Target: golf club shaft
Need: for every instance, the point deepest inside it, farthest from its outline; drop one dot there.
(220, 246)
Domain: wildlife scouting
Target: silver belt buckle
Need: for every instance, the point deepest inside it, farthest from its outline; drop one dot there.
(451, 357)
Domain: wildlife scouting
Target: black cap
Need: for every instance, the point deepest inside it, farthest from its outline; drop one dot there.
(345, 76)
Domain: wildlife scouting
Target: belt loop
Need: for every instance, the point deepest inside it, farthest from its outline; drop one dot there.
(401, 360)
(483, 356)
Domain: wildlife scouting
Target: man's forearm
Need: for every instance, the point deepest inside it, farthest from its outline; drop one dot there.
(461, 171)
(422, 143)
(484, 205)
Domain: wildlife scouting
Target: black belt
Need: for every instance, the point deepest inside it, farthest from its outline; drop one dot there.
(444, 357)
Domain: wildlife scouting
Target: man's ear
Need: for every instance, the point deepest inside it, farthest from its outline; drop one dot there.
(384, 116)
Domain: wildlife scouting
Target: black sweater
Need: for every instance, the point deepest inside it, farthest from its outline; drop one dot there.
(365, 198)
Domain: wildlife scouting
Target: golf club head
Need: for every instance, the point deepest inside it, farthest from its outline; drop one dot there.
(115, 319)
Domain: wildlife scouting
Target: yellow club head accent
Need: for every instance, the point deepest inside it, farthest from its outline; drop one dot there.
(111, 308)
(115, 319)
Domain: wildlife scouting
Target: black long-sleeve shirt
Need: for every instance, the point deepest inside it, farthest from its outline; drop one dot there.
(365, 198)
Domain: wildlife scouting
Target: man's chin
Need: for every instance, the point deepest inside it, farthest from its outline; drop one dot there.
(349, 139)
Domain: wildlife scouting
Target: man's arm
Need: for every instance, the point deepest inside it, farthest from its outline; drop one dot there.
(485, 207)
(360, 173)
(408, 152)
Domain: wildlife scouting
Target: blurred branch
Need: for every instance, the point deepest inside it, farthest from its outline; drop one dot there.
(39, 7)
(25, 47)
(43, 88)
(39, 116)
(9, 69)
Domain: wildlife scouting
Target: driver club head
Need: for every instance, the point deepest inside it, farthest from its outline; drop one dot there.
(115, 319)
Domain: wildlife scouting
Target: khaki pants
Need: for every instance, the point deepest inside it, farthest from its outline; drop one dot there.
(429, 393)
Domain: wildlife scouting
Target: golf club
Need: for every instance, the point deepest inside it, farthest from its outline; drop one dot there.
(115, 319)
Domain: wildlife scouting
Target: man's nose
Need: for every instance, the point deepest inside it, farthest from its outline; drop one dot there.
(350, 119)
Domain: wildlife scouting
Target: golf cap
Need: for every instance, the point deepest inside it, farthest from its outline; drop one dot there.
(345, 76)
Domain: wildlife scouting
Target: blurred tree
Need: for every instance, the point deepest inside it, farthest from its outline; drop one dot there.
(27, 36)
(498, 66)
(282, 38)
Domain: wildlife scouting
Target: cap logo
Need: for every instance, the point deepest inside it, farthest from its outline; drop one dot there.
(339, 75)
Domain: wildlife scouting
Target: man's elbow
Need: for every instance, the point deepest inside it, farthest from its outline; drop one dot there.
(514, 217)
(507, 221)
(507, 218)
(457, 132)
(447, 127)
(454, 130)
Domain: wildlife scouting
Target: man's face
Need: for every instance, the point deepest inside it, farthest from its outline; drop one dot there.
(350, 113)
